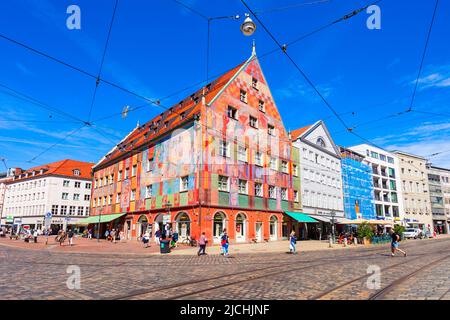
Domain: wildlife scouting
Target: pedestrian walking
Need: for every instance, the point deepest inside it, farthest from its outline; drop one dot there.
(113, 235)
(107, 234)
(174, 239)
(202, 244)
(146, 239)
(157, 236)
(395, 237)
(225, 243)
(292, 242)
(35, 235)
(70, 236)
(46, 234)
(121, 236)
(90, 233)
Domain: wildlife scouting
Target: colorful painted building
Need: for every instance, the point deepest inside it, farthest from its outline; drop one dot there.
(357, 186)
(219, 159)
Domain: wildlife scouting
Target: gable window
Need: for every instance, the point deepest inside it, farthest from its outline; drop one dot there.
(232, 113)
(182, 115)
(242, 186)
(320, 142)
(261, 106)
(271, 130)
(133, 171)
(223, 183)
(76, 172)
(253, 122)
(258, 189)
(272, 192)
(243, 96)
(255, 83)
(148, 191)
(224, 149)
(184, 183)
(258, 159)
(242, 153)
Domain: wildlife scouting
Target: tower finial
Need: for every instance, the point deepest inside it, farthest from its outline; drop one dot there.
(254, 48)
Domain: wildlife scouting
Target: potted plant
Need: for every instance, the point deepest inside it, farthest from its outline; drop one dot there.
(365, 232)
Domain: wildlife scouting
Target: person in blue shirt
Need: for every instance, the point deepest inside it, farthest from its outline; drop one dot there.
(224, 243)
(292, 242)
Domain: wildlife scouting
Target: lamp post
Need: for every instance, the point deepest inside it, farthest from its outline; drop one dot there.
(333, 221)
(98, 225)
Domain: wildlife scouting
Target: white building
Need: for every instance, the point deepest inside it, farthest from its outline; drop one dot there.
(321, 177)
(388, 194)
(439, 181)
(62, 188)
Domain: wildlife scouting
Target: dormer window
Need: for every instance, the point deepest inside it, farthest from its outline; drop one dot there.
(183, 115)
(232, 113)
(261, 106)
(76, 172)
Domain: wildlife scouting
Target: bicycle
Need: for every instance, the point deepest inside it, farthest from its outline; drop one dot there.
(190, 242)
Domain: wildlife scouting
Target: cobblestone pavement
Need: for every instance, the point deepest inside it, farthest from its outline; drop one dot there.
(325, 274)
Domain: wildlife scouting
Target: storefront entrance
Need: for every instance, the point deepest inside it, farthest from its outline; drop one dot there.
(241, 227)
(141, 226)
(259, 231)
(273, 228)
(183, 225)
(219, 224)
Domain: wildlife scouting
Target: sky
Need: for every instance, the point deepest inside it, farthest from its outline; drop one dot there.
(158, 48)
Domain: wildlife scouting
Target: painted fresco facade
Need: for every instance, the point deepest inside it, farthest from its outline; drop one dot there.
(219, 159)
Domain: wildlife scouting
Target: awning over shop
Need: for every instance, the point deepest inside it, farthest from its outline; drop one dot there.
(95, 219)
(321, 218)
(381, 222)
(300, 217)
(349, 221)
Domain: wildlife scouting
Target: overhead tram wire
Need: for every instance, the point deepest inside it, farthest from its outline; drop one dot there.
(58, 142)
(283, 48)
(97, 81)
(259, 57)
(423, 56)
(150, 101)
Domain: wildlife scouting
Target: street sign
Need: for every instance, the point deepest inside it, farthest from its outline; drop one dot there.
(48, 215)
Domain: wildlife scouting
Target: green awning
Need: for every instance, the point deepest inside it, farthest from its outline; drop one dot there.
(102, 218)
(301, 217)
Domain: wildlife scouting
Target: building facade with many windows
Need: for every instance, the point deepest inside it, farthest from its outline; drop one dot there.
(62, 188)
(357, 186)
(219, 159)
(388, 195)
(439, 181)
(320, 176)
(414, 182)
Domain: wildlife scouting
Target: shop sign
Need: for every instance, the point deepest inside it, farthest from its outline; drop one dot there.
(166, 218)
(9, 218)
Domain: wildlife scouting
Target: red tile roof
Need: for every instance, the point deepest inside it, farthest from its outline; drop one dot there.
(61, 168)
(295, 134)
(169, 119)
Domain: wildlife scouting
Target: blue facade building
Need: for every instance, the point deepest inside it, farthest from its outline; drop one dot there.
(357, 185)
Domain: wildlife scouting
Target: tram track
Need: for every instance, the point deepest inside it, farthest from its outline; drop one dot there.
(229, 281)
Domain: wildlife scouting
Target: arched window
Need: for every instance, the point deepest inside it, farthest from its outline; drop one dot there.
(183, 224)
(219, 224)
(320, 142)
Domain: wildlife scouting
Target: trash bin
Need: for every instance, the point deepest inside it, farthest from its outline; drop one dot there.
(164, 246)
